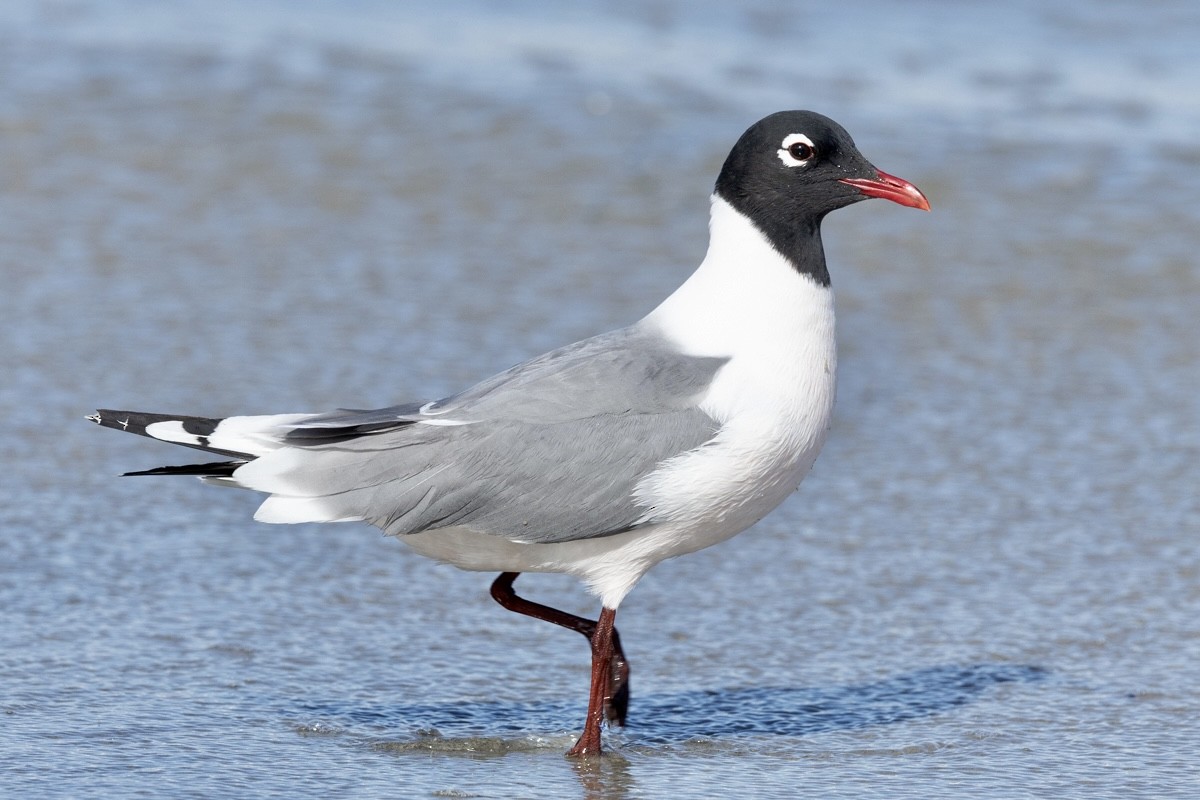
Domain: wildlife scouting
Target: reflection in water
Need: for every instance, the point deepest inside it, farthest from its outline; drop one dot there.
(605, 778)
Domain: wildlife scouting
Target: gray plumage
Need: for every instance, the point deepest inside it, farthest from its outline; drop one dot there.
(548, 451)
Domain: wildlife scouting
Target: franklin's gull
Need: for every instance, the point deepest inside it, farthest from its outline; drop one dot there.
(604, 457)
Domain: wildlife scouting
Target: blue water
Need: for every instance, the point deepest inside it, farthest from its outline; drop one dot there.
(988, 587)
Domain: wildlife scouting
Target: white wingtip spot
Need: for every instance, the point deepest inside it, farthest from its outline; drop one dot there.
(170, 431)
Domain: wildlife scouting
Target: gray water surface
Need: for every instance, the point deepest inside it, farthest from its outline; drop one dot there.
(988, 587)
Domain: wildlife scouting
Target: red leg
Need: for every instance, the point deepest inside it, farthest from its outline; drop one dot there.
(602, 661)
(616, 703)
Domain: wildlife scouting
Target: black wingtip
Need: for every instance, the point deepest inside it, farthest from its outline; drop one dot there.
(131, 421)
(198, 428)
(213, 469)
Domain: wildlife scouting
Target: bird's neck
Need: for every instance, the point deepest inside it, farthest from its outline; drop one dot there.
(746, 290)
(797, 237)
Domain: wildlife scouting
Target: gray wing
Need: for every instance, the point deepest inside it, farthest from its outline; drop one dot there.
(547, 451)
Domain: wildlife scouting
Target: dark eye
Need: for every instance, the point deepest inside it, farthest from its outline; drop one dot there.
(801, 151)
(796, 150)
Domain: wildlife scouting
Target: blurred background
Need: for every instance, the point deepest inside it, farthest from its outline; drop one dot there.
(989, 585)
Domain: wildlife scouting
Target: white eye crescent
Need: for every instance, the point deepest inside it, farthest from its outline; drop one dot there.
(797, 150)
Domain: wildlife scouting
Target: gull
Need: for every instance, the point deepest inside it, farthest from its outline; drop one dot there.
(604, 457)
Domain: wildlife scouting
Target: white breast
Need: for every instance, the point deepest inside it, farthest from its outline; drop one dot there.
(774, 398)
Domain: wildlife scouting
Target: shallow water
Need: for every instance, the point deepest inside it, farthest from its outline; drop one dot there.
(989, 586)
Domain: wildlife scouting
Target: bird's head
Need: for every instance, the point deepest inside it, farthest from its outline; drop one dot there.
(792, 168)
